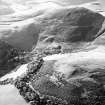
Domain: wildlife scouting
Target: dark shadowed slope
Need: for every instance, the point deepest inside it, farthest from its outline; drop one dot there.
(68, 26)
(9, 58)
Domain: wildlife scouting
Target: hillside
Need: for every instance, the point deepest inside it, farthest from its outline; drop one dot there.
(53, 53)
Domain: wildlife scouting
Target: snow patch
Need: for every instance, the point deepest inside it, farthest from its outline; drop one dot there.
(9, 95)
(66, 63)
(98, 53)
(21, 70)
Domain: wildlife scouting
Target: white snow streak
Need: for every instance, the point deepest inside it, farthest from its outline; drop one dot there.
(21, 70)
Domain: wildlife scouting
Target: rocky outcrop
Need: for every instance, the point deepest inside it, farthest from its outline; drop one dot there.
(65, 79)
(73, 78)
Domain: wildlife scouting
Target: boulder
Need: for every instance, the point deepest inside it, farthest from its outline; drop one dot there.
(70, 25)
